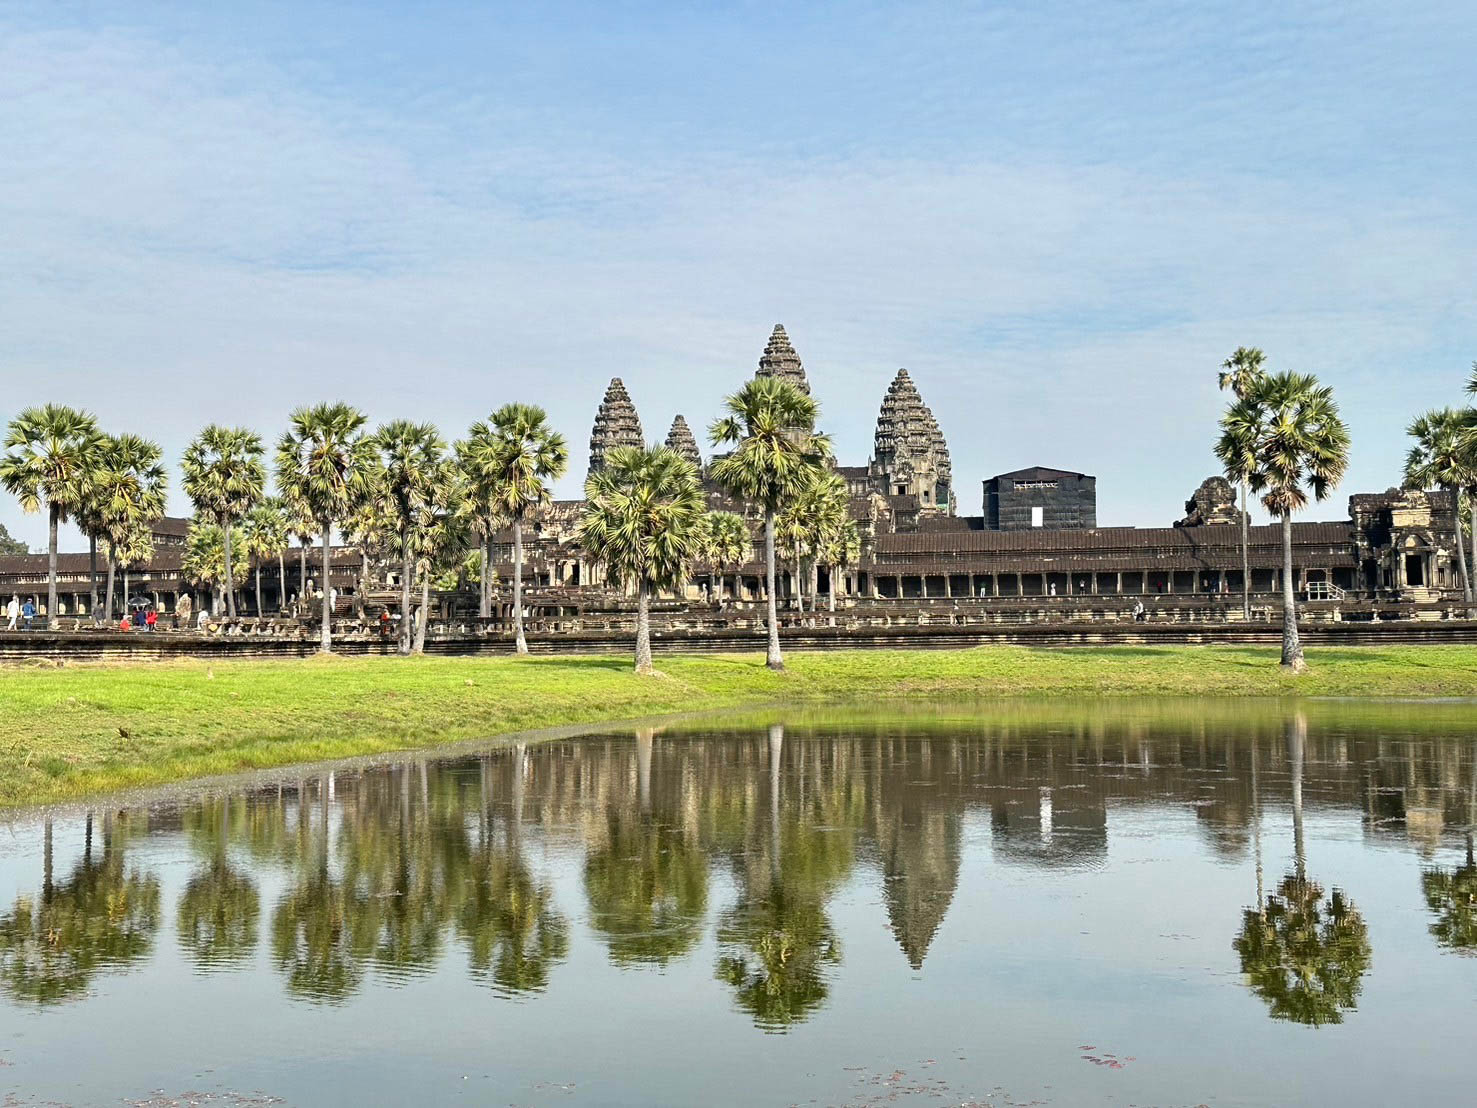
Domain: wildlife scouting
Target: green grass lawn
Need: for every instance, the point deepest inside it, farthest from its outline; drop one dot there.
(78, 729)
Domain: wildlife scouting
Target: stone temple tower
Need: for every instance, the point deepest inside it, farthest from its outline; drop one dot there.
(680, 439)
(911, 456)
(780, 360)
(616, 424)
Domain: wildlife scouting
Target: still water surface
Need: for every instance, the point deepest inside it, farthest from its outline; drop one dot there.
(1127, 903)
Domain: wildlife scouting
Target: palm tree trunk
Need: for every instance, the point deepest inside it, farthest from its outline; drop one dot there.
(521, 644)
(1461, 549)
(112, 572)
(281, 581)
(420, 627)
(407, 572)
(831, 589)
(258, 573)
(126, 590)
(363, 598)
(484, 599)
(815, 584)
(92, 576)
(1292, 648)
(51, 621)
(773, 660)
(326, 641)
(643, 628)
(230, 579)
(302, 580)
(1245, 557)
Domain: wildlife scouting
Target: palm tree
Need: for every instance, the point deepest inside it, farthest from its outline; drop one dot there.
(204, 561)
(325, 462)
(439, 539)
(1240, 373)
(819, 510)
(1441, 457)
(267, 536)
(410, 460)
(224, 478)
(1288, 435)
(304, 528)
(372, 529)
(131, 546)
(840, 549)
(480, 505)
(729, 544)
(640, 521)
(771, 425)
(128, 495)
(509, 461)
(50, 455)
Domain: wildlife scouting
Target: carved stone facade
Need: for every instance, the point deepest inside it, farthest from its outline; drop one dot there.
(780, 360)
(616, 424)
(680, 439)
(1040, 498)
(1213, 502)
(911, 457)
(1406, 541)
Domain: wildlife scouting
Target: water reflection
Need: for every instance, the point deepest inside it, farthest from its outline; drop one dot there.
(722, 849)
(102, 916)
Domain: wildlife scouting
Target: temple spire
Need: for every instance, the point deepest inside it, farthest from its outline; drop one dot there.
(780, 360)
(616, 424)
(910, 453)
(680, 439)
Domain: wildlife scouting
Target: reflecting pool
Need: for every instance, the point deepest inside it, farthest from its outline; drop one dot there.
(1112, 902)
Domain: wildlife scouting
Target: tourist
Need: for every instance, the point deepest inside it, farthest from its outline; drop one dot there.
(384, 623)
(201, 618)
(125, 624)
(151, 619)
(182, 609)
(1139, 612)
(28, 612)
(12, 612)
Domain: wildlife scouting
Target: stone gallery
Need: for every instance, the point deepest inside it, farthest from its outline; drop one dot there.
(1036, 537)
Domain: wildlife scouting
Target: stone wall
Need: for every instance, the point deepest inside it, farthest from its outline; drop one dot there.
(1068, 501)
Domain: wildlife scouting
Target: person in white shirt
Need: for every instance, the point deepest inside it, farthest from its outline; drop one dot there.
(12, 612)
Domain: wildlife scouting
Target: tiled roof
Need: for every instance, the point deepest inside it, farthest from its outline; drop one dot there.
(1103, 540)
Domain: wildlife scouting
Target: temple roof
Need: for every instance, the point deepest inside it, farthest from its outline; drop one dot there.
(1036, 473)
(616, 424)
(906, 429)
(680, 439)
(780, 360)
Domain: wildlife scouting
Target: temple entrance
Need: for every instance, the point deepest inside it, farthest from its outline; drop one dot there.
(1415, 570)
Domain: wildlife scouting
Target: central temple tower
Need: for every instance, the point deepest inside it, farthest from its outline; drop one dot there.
(911, 457)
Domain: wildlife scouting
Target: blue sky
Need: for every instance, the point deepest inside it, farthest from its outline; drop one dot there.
(1059, 217)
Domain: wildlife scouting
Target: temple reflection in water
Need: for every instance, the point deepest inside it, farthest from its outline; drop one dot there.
(729, 842)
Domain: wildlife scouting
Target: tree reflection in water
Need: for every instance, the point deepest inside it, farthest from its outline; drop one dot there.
(103, 916)
(216, 919)
(1305, 958)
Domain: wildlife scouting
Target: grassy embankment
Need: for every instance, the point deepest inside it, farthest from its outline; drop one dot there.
(73, 730)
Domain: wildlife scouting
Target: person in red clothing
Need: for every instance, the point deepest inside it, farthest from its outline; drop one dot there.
(125, 624)
(150, 620)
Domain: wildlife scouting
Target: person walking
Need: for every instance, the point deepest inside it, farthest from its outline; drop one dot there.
(1139, 612)
(12, 612)
(28, 612)
(151, 618)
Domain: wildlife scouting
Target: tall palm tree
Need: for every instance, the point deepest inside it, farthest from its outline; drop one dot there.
(50, 455)
(641, 521)
(729, 544)
(509, 461)
(771, 425)
(1289, 428)
(128, 496)
(204, 561)
(1240, 373)
(480, 503)
(304, 529)
(224, 478)
(821, 510)
(267, 536)
(410, 460)
(327, 463)
(1441, 457)
(439, 537)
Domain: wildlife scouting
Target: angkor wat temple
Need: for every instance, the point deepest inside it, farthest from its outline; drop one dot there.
(1035, 547)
